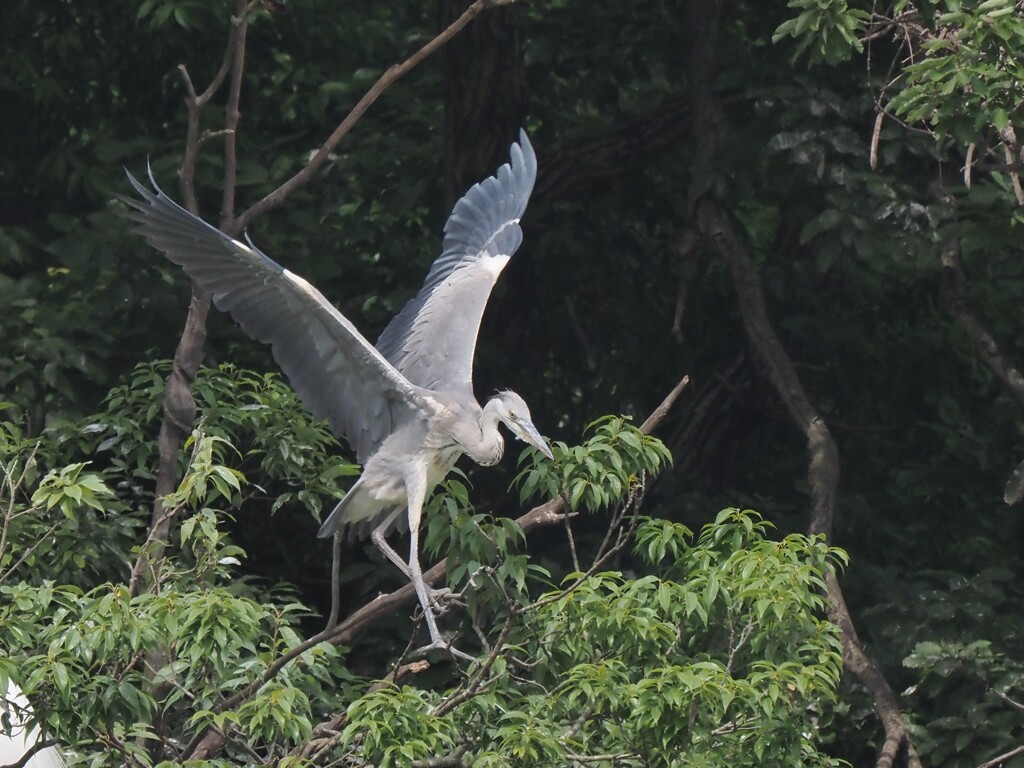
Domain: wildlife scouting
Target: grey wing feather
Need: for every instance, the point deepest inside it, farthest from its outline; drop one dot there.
(1015, 486)
(334, 370)
(431, 341)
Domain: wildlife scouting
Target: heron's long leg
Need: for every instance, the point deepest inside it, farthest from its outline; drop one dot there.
(377, 537)
(416, 491)
(437, 596)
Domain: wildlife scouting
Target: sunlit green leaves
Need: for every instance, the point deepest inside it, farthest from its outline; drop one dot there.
(597, 473)
(720, 659)
(69, 487)
(829, 29)
(966, 82)
(392, 727)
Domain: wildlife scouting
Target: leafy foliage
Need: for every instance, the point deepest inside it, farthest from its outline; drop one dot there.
(597, 473)
(723, 656)
(594, 316)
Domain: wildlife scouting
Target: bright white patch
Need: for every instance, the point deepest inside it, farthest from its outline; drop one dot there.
(302, 283)
(13, 746)
(494, 264)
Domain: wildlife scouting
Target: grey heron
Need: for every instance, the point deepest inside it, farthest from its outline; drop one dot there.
(405, 405)
(17, 739)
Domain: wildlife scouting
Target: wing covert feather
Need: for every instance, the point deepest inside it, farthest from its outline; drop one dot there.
(334, 370)
(431, 341)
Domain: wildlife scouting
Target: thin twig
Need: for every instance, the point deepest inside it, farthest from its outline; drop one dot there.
(32, 751)
(480, 678)
(31, 550)
(13, 486)
(734, 649)
(393, 73)
(572, 544)
(633, 502)
(1000, 759)
(335, 582)
(1006, 699)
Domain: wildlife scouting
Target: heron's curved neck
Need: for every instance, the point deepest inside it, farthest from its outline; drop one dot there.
(488, 447)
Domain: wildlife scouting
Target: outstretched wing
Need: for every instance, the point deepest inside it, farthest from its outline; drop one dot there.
(431, 341)
(335, 371)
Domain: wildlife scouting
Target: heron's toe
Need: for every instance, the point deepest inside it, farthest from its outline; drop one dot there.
(443, 646)
(440, 599)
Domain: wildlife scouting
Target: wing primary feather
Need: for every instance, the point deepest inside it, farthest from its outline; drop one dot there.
(427, 342)
(319, 350)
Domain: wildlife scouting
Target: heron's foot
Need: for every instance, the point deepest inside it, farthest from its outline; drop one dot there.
(440, 645)
(440, 599)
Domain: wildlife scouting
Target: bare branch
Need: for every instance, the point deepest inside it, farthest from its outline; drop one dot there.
(453, 760)
(32, 751)
(611, 758)
(1012, 153)
(572, 543)
(999, 760)
(658, 414)
(1007, 700)
(393, 73)
(955, 300)
(684, 246)
(231, 117)
(969, 164)
(875, 135)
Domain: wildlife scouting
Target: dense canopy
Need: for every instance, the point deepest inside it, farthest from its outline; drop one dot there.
(813, 211)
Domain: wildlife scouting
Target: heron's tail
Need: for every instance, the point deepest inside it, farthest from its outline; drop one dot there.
(358, 513)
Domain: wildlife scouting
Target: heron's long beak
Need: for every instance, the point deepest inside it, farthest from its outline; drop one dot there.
(528, 434)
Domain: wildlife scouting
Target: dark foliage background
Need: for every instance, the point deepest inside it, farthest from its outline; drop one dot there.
(610, 300)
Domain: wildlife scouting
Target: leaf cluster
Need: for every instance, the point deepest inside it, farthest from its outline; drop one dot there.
(721, 656)
(597, 473)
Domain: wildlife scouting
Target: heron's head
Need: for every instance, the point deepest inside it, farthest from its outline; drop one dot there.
(515, 414)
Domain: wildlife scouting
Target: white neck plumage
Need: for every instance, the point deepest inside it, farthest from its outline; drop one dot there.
(492, 446)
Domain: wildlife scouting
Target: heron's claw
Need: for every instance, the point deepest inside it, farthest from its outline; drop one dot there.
(440, 599)
(440, 644)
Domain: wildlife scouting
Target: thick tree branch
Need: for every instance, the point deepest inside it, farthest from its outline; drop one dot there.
(232, 115)
(823, 456)
(822, 473)
(822, 452)
(179, 407)
(957, 305)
